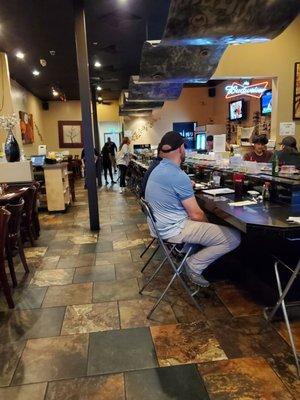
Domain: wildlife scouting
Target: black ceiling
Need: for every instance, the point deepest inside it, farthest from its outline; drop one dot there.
(116, 31)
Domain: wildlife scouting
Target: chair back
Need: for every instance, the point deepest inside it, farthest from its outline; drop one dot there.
(30, 197)
(146, 207)
(4, 218)
(13, 232)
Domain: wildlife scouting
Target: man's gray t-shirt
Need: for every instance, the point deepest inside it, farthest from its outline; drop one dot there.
(166, 188)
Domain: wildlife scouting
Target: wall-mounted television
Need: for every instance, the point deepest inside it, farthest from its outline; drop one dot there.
(266, 103)
(237, 110)
(186, 130)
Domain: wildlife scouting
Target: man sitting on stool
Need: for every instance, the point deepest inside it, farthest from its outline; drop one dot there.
(179, 218)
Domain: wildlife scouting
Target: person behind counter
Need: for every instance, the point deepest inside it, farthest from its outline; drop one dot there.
(259, 152)
(152, 166)
(288, 153)
(178, 216)
(209, 143)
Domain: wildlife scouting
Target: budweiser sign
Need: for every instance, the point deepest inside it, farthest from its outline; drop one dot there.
(245, 89)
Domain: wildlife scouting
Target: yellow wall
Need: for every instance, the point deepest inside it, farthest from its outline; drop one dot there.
(6, 104)
(271, 59)
(27, 102)
(108, 112)
(59, 111)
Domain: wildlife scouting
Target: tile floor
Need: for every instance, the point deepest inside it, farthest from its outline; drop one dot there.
(79, 329)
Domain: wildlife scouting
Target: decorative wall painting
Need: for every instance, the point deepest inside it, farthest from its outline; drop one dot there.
(26, 126)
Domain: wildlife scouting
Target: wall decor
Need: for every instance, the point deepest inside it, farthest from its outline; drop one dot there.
(296, 102)
(26, 126)
(70, 134)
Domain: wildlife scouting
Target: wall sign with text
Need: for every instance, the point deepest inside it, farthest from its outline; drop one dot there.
(245, 89)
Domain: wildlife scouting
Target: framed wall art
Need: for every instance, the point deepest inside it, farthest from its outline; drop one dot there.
(296, 101)
(70, 134)
(26, 126)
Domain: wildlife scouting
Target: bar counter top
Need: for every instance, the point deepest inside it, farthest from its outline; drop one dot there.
(266, 216)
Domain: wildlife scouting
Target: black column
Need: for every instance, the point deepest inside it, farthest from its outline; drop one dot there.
(96, 134)
(85, 98)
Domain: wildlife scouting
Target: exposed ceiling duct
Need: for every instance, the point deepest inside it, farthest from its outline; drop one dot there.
(179, 64)
(140, 92)
(208, 22)
(196, 35)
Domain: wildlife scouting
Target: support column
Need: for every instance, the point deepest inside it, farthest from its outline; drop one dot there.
(85, 99)
(96, 134)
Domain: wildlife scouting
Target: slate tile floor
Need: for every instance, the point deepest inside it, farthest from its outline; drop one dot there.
(79, 330)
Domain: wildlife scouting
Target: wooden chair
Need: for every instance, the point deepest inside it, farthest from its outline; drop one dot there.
(13, 238)
(4, 218)
(27, 227)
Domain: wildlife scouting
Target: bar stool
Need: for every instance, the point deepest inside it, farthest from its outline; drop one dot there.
(177, 266)
(270, 313)
(4, 218)
(13, 238)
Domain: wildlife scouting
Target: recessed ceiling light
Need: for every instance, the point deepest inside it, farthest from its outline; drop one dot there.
(99, 88)
(97, 64)
(35, 72)
(55, 93)
(99, 98)
(20, 55)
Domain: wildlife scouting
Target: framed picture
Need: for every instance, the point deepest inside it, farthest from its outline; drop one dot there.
(296, 102)
(70, 134)
(26, 126)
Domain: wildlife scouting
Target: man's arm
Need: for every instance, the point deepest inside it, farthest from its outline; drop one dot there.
(193, 210)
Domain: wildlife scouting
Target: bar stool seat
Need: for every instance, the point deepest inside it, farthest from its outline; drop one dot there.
(176, 254)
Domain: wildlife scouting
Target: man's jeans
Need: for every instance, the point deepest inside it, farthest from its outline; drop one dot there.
(216, 240)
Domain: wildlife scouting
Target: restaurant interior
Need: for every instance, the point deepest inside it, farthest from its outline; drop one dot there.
(95, 302)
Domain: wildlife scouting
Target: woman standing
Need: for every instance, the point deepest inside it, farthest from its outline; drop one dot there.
(106, 163)
(122, 159)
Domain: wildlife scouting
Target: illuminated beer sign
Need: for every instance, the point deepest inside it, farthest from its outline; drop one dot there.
(245, 89)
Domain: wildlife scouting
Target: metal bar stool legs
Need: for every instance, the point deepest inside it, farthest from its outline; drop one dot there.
(148, 247)
(281, 303)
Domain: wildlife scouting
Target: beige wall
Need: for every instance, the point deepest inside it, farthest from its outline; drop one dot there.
(27, 102)
(6, 104)
(192, 105)
(59, 111)
(271, 59)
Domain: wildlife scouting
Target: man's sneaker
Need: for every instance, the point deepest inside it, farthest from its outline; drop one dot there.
(121, 190)
(197, 279)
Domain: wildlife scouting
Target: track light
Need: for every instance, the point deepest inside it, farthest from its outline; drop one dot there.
(99, 98)
(97, 64)
(35, 72)
(20, 55)
(99, 88)
(55, 93)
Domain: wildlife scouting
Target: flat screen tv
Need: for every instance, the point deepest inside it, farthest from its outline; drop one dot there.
(266, 103)
(237, 110)
(186, 130)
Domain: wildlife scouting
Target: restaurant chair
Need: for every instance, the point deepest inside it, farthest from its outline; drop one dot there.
(27, 226)
(35, 212)
(177, 266)
(13, 238)
(270, 313)
(4, 218)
